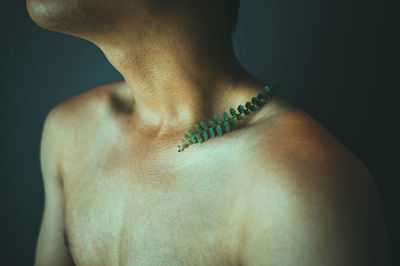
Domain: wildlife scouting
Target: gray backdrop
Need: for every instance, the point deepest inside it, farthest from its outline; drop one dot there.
(336, 59)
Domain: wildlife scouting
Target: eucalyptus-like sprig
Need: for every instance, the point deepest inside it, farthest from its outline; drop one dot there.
(203, 131)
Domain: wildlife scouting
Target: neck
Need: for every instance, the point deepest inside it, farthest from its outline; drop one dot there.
(177, 76)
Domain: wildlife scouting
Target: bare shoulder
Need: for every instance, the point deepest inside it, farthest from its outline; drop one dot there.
(71, 121)
(295, 141)
(313, 202)
(81, 113)
(85, 105)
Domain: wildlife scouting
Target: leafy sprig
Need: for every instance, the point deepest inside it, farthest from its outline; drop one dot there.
(204, 132)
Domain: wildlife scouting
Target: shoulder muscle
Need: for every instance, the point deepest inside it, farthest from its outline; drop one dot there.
(321, 207)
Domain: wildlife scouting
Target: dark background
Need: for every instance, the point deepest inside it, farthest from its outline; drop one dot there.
(338, 60)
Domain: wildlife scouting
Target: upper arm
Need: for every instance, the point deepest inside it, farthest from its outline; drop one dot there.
(50, 248)
(315, 215)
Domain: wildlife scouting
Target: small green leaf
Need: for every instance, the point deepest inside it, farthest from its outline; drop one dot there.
(227, 127)
(247, 112)
(260, 96)
(187, 142)
(240, 108)
(250, 106)
(198, 128)
(239, 117)
(212, 132)
(219, 130)
(232, 111)
(256, 101)
(218, 119)
(225, 115)
(199, 139)
(205, 135)
(192, 132)
(212, 123)
(187, 136)
(193, 139)
(204, 125)
(232, 121)
(267, 89)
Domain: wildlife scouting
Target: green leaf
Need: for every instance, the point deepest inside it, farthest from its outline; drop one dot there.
(240, 108)
(199, 139)
(193, 139)
(225, 115)
(212, 123)
(187, 142)
(205, 135)
(218, 119)
(192, 132)
(198, 128)
(232, 111)
(260, 96)
(247, 112)
(256, 101)
(187, 136)
(212, 132)
(219, 130)
(239, 117)
(232, 121)
(248, 104)
(204, 125)
(227, 127)
(267, 89)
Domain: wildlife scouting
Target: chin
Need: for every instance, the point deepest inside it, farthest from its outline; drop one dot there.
(65, 16)
(45, 13)
(87, 19)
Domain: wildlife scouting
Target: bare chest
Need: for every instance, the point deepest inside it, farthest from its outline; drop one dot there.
(122, 212)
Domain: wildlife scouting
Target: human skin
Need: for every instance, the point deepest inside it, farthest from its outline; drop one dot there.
(277, 190)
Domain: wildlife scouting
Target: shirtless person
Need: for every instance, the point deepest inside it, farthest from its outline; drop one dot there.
(277, 190)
